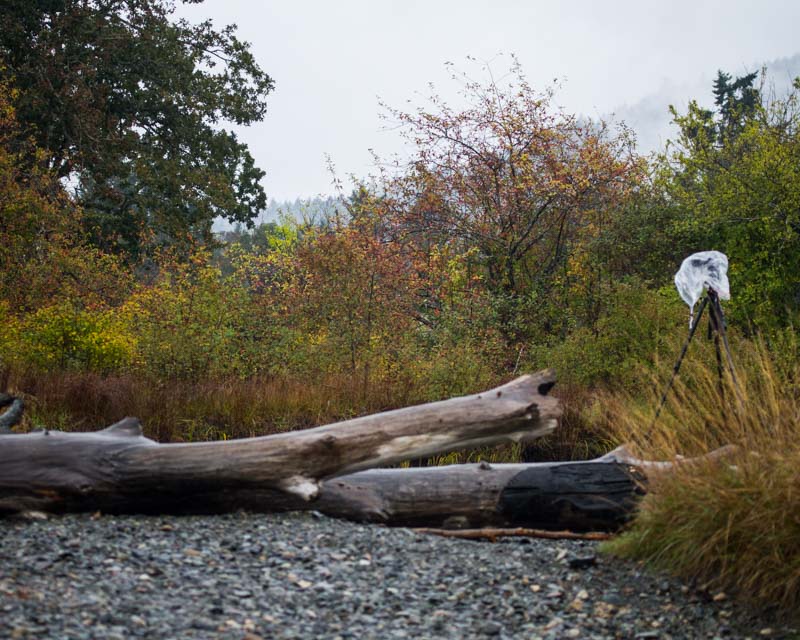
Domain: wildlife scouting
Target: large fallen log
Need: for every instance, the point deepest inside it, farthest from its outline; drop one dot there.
(592, 495)
(118, 469)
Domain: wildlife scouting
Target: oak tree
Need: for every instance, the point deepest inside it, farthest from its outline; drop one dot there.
(130, 103)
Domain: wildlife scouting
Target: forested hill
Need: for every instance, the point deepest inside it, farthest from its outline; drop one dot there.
(649, 117)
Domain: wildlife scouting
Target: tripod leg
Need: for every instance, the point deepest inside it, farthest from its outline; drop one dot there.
(714, 330)
(723, 333)
(677, 366)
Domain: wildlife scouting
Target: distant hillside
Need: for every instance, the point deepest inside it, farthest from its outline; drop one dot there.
(650, 118)
(300, 209)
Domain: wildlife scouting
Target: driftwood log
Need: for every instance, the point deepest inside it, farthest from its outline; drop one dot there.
(592, 495)
(329, 470)
(597, 495)
(118, 469)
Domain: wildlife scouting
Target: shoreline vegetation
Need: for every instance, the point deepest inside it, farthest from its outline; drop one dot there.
(515, 237)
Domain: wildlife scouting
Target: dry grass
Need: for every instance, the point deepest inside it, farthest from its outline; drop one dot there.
(195, 410)
(182, 410)
(733, 525)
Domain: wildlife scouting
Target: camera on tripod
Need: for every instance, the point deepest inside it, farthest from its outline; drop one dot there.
(705, 272)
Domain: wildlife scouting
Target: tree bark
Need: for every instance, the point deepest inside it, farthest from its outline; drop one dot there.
(593, 495)
(117, 469)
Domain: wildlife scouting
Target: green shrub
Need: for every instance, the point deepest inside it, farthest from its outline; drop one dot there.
(639, 326)
(67, 337)
(188, 323)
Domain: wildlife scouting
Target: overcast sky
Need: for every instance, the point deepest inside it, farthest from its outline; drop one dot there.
(332, 60)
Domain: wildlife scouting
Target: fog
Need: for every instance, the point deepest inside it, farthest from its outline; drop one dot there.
(331, 61)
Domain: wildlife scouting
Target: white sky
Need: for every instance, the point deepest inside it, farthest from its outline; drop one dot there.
(331, 60)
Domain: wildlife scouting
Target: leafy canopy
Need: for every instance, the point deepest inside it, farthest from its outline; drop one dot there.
(42, 256)
(512, 177)
(738, 191)
(129, 103)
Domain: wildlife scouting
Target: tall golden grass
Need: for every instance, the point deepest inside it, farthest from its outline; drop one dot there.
(184, 410)
(734, 524)
(214, 409)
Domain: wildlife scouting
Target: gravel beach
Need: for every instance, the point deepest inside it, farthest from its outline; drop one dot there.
(247, 576)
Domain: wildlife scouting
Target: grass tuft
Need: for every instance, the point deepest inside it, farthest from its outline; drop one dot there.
(734, 524)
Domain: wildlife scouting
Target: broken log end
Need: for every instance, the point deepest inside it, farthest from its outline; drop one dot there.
(11, 416)
(125, 428)
(528, 385)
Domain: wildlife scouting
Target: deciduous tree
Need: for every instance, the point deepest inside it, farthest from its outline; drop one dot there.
(42, 256)
(513, 176)
(129, 103)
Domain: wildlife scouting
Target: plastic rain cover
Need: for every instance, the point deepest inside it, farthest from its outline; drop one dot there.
(706, 269)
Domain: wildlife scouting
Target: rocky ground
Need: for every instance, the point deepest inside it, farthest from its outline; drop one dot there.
(306, 576)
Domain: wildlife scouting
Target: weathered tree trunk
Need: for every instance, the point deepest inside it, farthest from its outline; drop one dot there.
(118, 469)
(594, 495)
(597, 495)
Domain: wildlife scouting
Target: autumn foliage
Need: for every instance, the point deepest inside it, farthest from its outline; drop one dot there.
(42, 258)
(512, 176)
(513, 236)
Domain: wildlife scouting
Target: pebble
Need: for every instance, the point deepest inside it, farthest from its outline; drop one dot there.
(254, 576)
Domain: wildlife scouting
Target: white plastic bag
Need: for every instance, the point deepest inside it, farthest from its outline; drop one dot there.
(703, 270)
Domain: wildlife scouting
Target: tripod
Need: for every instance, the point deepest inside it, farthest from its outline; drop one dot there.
(716, 330)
